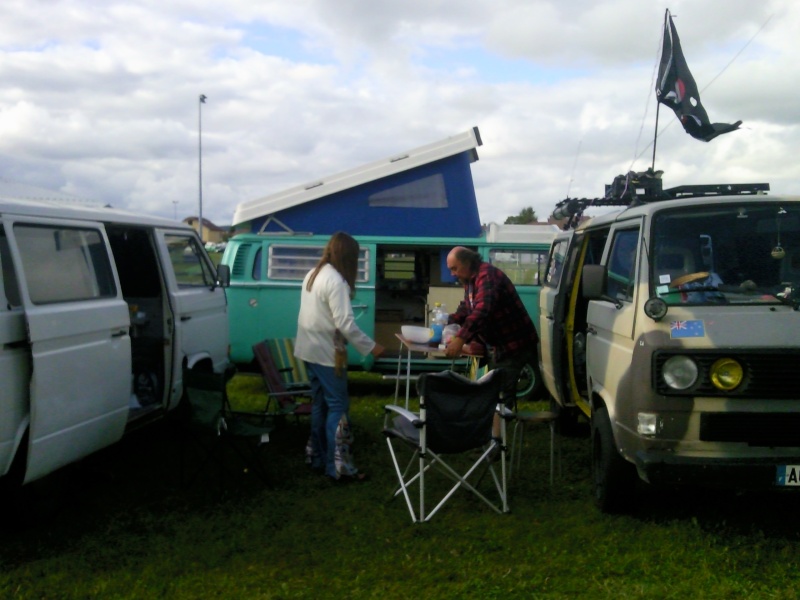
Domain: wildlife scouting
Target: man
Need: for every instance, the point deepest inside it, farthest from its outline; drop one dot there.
(493, 314)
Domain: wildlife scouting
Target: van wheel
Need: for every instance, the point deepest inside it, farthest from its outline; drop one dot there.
(529, 383)
(613, 478)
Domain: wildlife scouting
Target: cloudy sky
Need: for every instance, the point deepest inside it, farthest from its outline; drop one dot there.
(100, 99)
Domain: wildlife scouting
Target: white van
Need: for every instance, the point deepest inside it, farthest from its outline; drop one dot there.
(100, 310)
(673, 325)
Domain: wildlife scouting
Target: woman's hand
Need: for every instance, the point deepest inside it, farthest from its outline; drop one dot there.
(378, 350)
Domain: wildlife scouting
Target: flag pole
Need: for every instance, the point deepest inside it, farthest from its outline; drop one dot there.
(655, 137)
(658, 104)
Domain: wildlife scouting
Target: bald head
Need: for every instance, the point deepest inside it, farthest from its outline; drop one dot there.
(463, 263)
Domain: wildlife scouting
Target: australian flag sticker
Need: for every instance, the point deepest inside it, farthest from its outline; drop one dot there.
(693, 328)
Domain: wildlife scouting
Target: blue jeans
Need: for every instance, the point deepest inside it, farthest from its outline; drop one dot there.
(331, 401)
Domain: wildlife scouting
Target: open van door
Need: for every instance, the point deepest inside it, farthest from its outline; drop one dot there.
(199, 320)
(78, 331)
(551, 309)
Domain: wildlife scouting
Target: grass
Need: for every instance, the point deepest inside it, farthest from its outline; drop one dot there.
(120, 525)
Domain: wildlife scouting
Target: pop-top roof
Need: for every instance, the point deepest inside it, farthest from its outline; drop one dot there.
(421, 192)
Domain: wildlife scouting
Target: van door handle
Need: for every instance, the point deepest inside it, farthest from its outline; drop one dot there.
(360, 306)
(591, 330)
(185, 318)
(550, 317)
(119, 333)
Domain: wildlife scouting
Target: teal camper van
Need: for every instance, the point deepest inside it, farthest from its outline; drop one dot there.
(407, 212)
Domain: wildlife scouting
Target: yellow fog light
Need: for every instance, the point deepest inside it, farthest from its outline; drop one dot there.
(726, 374)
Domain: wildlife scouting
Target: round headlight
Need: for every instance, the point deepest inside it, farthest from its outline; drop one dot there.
(726, 374)
(680, 372)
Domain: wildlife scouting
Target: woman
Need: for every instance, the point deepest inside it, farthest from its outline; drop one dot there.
(325, 324)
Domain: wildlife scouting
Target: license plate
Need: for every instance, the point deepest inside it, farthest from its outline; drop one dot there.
(788, 475)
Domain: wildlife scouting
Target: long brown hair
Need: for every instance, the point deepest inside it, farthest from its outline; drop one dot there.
(341, 252)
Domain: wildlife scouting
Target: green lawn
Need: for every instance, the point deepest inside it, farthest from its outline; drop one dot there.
(120, 525)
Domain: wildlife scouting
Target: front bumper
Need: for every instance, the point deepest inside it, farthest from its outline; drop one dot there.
(734, 473)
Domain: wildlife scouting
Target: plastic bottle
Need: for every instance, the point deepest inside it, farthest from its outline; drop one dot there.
(439, 318)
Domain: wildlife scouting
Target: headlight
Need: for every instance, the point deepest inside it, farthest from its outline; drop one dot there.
(680, 372)
(726, 374)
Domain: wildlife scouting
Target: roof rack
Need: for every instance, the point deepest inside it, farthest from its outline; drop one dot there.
(634, 189)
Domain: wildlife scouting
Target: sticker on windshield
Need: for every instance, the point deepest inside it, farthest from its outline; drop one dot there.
(687, 329)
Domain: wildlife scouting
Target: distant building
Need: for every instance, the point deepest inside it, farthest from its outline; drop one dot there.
(211, 233)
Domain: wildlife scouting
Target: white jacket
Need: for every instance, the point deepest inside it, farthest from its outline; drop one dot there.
(323, 310)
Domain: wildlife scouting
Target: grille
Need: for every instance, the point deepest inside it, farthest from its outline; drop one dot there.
(240, 261)
(768, 374)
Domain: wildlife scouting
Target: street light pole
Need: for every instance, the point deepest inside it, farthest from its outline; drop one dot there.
(200, 160)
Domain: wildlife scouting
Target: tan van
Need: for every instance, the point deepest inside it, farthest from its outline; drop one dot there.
(673, 325)
(99, 311)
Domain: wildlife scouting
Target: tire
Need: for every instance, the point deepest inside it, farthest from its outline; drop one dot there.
(613, 478)
(529, 383)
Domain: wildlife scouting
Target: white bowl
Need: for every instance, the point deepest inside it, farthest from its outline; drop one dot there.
(416, 335)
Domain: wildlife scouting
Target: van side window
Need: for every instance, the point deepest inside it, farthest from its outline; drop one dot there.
(64, 264)
(190, 266)
(293, 262)
(621, 264)
(523, 267)
(555, 266)
(10, 285)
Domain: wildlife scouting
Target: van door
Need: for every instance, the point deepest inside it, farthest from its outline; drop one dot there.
(199, 325)
(364, 302)
(78, 331)
(549, 334)
(15, 367)
(609, 345)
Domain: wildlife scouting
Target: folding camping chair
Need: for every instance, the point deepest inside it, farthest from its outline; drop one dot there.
(219, 430)
(455, 418)
(293, 371)
(294, 399)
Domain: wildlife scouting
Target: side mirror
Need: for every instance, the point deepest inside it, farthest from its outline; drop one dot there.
(593, 281)
(223, 276)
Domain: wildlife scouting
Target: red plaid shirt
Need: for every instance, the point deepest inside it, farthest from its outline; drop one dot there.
(493, 313)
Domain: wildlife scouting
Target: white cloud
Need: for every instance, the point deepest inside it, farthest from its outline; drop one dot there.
(102, 100)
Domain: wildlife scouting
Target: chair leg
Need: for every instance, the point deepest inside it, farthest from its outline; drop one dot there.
(516, 449)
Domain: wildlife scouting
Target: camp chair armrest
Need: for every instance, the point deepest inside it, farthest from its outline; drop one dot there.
(409, 416)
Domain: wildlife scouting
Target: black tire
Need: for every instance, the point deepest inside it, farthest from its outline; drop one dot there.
(613, 478)
(529, 383)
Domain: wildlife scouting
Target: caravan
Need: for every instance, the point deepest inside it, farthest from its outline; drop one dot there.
(400, 281)
(672, 325)
(407, 212)
(99, 312)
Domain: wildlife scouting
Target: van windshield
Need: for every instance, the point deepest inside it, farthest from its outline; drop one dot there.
(743, 253)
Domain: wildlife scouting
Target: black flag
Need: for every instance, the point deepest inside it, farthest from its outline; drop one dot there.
(676, 89)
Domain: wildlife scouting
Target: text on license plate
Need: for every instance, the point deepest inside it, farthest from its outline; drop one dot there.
(788, 475)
